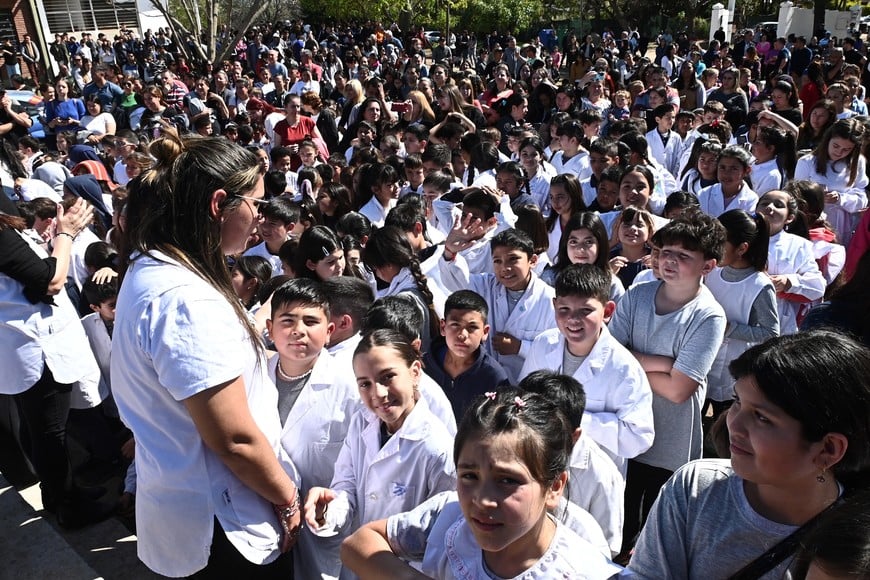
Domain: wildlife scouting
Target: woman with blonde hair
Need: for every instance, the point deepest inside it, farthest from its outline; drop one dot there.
(355, 95)
(420, 111)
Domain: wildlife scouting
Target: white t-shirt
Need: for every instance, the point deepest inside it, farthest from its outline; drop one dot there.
(437, 534)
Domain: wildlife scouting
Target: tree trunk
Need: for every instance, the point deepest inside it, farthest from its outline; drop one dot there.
(249, 18)
(819, 17)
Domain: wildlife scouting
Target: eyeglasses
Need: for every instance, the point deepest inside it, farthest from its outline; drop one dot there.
(254, 200)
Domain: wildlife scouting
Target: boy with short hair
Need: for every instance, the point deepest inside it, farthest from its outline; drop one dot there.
(98, 325)
(436, 157)
(674, 327)
(607, 193)
(572, 158)
(415, 138)
(603, 153)
(520, 302)
(349, 300)
(665, 145)
(282, 160)
(280, 216)
(413, 167)
(594, 483)
(590, 120)
(316, 401)
(364, 141)
(456, 362)
(619, 414)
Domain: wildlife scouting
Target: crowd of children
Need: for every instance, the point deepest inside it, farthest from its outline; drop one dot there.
(490, 349)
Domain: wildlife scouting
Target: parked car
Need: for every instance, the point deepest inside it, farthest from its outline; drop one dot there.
(432, 36)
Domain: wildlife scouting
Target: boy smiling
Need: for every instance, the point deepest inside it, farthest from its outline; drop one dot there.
(619, 414)
(674, 328)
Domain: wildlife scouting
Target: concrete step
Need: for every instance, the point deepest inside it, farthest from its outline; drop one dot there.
(33, 546)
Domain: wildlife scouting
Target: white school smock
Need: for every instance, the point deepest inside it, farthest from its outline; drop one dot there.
(736, 299)
(78, 271)
(312, 435)
(101, 347)
(841, 215)
(38, 335)
(836, 255)
(577, 165)
(531, 316)
(618, 414)
(766, 176)
(374, 482)
(713, 204)
(273, 259)
(554, 237)
(667, 155)
(437, 534)
(792, 256)
(665, 184)
(692, 182)
(175, 336)
(539, 187)
(377, 213)
(429, 268)
(595, 484)
(444, 214)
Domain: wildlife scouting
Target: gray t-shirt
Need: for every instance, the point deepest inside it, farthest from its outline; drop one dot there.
(570, 363)
(691, 336)
(702, 526)
(288, 393)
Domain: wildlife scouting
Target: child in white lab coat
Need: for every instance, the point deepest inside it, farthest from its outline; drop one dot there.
(520, 302)
(619, 414)
(396, 455)
(514, 442)
(733, 167)
(837, 163)
(774, 152)
(594, 482)
(316, 400)
(791, 262)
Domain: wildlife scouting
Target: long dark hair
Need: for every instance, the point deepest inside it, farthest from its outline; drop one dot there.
(850, 130)
(168, 207)
(571, 185)
(586, 220)
(389, 246)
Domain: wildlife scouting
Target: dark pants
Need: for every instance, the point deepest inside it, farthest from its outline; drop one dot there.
(14, 460)
(642, 485)
(225, 562)
(45, 409)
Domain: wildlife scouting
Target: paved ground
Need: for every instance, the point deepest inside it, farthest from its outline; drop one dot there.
(33, 546)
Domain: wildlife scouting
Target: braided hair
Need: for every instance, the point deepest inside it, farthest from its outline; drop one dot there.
(388, 246)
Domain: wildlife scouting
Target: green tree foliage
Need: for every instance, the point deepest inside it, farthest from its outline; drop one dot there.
(513, 16)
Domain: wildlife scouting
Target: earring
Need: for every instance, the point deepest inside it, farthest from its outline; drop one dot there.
(821, 476)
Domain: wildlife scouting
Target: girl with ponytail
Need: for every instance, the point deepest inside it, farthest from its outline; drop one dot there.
(746, 293)
(389, 255)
